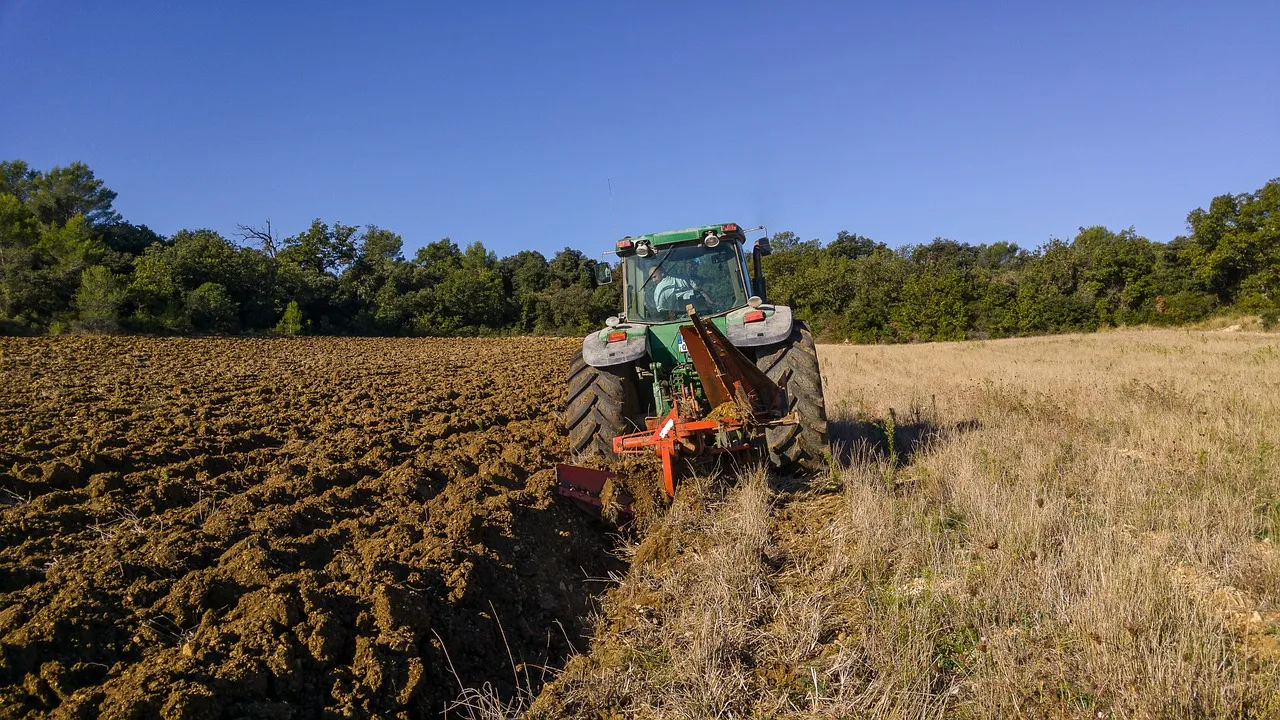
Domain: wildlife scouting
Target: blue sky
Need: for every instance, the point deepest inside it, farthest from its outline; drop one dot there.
(505, 122)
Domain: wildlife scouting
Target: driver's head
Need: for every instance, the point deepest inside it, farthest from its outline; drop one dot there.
(656, 272)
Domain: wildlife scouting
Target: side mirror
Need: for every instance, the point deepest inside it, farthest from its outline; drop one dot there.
(604, 273)
(757, 261)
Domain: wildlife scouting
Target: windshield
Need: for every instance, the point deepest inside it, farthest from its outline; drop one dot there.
(661, 285)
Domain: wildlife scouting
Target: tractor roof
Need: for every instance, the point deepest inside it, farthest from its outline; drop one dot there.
(670, 237)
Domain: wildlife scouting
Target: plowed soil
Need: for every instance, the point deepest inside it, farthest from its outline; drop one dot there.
(282, 528)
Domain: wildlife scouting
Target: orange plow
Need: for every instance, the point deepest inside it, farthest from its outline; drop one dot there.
(723, 412)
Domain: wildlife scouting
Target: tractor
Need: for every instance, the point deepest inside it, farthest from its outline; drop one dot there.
(697, 366)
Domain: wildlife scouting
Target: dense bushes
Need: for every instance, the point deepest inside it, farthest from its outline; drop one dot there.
(68, 261)
(856, 289)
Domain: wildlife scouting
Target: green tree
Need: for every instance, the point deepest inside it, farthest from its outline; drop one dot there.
(375, 282)
(526, 276)
(153, 296)
(98, 300)
(291, 323)
(17, 179)
(786, 241)
(1047, 300)
(129, 240)
(211, 309)
(852, 246)
(1234, 249)
(934, 305)
(19, 259)
(471, 295)
(321, 248)
(63, 193)
(879, 279)
(164, 275)
(1116, 274)
(571, 267)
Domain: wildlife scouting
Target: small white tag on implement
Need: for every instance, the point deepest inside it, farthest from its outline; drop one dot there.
(680, 344)
(667, 428)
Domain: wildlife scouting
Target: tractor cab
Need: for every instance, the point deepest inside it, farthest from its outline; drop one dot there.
(702, 267)
(667, 274)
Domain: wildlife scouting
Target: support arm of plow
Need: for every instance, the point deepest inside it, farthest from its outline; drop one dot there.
(726, 373)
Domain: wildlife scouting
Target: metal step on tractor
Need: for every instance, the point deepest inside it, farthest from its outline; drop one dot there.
(697, 366)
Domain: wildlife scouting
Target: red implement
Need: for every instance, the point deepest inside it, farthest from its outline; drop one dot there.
(584, 486)
(673, 438)
(740, 395)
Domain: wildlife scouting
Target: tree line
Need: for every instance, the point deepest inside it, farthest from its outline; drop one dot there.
(857, 289)
(70, 263)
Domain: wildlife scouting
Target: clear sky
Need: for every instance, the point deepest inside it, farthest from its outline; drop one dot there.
(505, 121)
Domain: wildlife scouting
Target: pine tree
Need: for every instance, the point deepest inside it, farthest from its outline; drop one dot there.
(98, 300)
(291, 322)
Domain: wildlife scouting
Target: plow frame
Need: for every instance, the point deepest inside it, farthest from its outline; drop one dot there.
(671, 437)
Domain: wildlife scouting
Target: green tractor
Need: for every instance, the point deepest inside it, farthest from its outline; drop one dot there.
(697, 363)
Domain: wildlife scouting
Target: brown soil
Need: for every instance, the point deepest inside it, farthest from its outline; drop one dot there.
(282, 528)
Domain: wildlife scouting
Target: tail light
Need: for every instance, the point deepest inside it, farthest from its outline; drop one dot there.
(619, 335)
(753, 316)
(729, 227)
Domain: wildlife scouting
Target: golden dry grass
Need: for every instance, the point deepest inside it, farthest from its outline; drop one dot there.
(1072, 526)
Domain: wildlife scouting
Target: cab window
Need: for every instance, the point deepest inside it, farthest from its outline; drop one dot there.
(661, 285)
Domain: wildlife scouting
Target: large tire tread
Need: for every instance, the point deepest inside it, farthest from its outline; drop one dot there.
(800, 447)
(599, 406)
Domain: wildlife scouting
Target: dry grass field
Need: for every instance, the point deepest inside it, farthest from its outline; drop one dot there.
(1072, 526)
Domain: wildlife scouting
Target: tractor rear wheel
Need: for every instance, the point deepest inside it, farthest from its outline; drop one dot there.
(602, 404)
(800, 447)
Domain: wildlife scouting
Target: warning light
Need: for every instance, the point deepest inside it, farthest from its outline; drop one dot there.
(619, 336)
(731, 227)
(753, 316)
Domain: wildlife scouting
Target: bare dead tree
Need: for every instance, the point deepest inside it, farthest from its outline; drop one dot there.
(265, 239)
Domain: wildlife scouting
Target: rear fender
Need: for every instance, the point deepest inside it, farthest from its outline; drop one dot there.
(775, 327)
(597, 352)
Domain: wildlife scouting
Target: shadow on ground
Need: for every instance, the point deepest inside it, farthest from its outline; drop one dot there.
(890, 439)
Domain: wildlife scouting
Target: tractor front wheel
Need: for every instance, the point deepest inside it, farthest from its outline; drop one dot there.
(601, 405)
(801, 447)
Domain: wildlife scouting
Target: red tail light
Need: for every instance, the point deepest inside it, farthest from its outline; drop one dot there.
(731, 227)
(618, 336)
(753, 316)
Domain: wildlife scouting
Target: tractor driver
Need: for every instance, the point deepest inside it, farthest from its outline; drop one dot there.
(672, 293)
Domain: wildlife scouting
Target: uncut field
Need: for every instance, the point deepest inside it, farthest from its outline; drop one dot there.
(1074, 526)
(282, 528)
